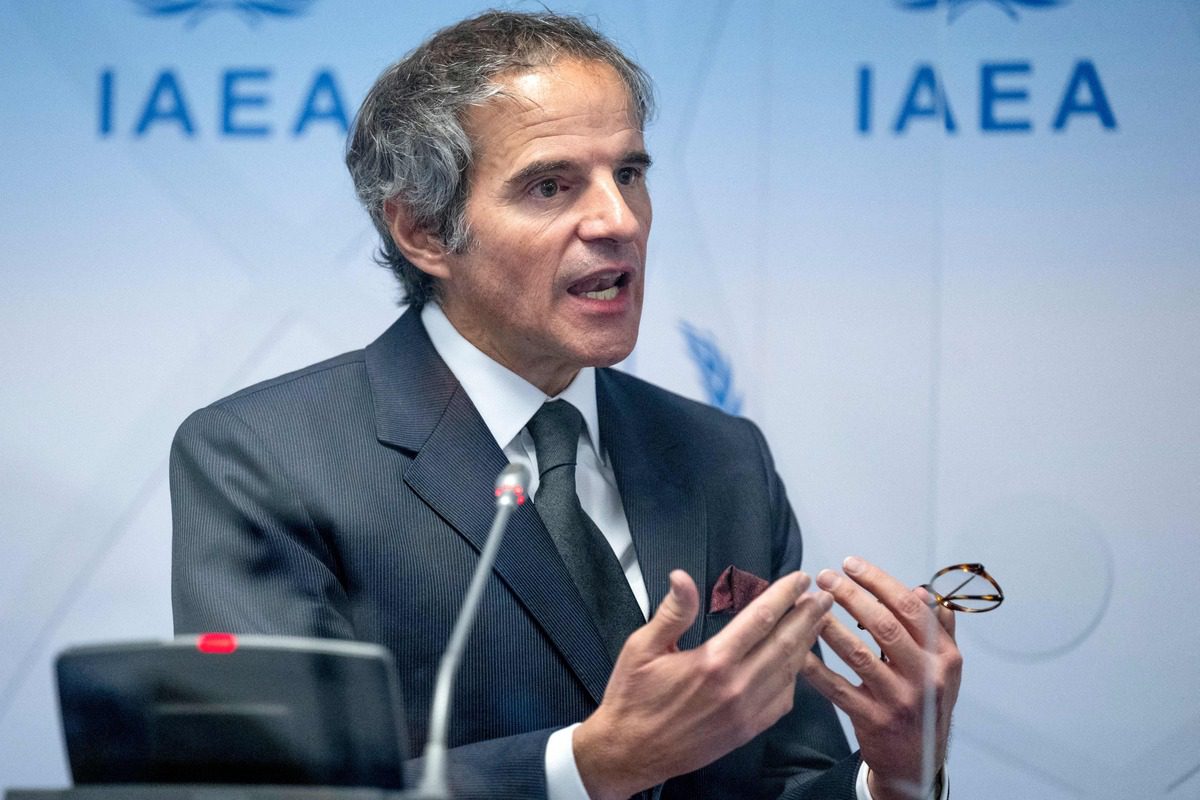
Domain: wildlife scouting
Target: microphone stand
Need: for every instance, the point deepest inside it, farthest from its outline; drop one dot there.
(510, 493)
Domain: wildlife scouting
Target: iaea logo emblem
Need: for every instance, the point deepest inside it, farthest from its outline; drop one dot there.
(195, 11)
(957, 7)
(716, 372)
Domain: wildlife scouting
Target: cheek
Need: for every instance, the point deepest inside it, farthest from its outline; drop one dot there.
(645, 216)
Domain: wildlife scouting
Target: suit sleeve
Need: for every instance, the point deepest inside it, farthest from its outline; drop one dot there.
(247, 557)
(806, 751)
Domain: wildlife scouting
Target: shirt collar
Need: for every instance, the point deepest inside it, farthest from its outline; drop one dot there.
(504, 399)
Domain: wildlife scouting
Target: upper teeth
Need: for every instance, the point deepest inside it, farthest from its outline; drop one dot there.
(604, 294)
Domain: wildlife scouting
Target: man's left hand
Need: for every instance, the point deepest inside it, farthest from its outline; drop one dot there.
(888, 708)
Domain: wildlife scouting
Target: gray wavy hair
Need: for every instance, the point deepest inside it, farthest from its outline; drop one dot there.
(408, 145)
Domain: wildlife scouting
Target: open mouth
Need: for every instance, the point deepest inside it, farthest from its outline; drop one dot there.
(604, 286)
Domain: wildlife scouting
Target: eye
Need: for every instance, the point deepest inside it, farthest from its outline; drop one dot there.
(627, 176)
(547, 188)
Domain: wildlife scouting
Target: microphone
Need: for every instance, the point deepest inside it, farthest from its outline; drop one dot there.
(510, 493)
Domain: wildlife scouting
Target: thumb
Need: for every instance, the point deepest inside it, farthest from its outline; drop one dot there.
(675, 615)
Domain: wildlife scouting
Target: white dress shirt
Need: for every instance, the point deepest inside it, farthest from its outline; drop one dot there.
(507, 402)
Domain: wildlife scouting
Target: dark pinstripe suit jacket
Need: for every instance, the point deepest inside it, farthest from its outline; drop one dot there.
(350, 499)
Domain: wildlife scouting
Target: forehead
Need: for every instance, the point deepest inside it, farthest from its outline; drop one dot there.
(567, 100)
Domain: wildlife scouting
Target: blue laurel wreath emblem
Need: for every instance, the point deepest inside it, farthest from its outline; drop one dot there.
(252, 11)
(956, 7)
(716, 373)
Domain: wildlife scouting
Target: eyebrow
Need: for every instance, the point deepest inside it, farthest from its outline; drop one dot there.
(638, 158)
(531, 171)
(527, 173)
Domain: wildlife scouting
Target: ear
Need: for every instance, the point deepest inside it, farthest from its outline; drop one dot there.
(421, 246)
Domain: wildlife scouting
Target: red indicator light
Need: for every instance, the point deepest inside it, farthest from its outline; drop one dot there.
(219, 643)
(518, 492)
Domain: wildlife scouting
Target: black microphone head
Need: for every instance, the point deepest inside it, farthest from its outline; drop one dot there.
(511, 482)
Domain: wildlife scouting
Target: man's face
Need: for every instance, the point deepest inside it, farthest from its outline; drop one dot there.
(558, 215)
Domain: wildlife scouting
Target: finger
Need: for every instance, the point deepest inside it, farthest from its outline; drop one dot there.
(889, 633)
(675, 615)
(783, 649)
(852, 699)
(945, 616)
(756, 621)
(905, 604)
(875, 673)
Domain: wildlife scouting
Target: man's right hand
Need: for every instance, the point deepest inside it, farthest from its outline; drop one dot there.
(667, 712)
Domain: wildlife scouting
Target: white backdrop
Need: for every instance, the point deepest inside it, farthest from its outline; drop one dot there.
(948, 254)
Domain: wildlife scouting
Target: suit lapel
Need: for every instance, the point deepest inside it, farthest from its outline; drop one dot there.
(664, 507)
(420, 407)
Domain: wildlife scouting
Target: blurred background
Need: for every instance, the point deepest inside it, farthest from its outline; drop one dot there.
(946, 253)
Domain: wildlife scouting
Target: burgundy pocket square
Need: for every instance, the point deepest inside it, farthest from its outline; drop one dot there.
(734, 590)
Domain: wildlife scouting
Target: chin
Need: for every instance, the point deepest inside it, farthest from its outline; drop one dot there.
(608, 354)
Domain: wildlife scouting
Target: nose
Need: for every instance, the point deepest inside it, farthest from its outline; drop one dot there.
(608, 214)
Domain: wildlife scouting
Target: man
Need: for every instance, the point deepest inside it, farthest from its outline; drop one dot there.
(503, 162)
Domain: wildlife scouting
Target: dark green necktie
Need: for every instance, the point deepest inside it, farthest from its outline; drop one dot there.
(593, 565)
